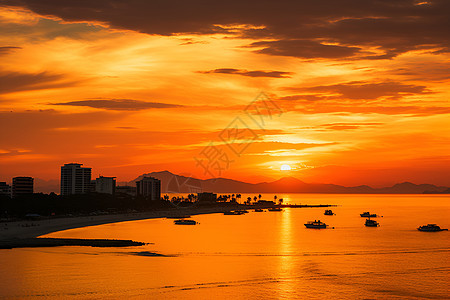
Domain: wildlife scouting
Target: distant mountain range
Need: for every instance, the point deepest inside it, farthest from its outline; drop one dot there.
(172, 183)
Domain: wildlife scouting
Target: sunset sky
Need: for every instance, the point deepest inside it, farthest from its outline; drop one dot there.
(358, 90)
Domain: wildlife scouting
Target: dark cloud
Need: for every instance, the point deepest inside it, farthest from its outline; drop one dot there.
(311, 29)
(7, 50)
(363, 90)
(16, 82)
(118, 104)
(274, 74)
(304, 49)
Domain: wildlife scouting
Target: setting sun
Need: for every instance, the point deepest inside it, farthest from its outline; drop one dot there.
(285, 168)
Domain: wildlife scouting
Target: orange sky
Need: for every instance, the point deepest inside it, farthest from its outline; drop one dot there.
(362, 89)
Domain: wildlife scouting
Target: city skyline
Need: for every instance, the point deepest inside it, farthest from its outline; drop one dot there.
(362, 92)
(75, 179)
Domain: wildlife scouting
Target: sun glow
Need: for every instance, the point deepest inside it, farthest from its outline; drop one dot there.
(285, 168)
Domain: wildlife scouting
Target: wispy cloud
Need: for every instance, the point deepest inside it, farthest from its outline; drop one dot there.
(273, 74)
(304, 49)
(18, 82)
(361, 90)
(118, 104)
(8, 49)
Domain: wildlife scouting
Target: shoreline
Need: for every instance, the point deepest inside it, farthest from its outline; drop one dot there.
(58, 242)
(17, 230)
(28, 233)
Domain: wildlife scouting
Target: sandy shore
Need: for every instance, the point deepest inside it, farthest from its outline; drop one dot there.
(31, 229)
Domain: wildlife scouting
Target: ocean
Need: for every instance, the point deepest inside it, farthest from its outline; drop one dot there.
(259, 255)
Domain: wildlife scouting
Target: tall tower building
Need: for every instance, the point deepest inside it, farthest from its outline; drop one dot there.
(149, 187)
(75, 179)
(22, 186)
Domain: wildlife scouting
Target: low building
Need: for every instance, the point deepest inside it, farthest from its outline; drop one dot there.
(206, 197)
(149, 187)
(5, 189)
(22, 186)
(106, 185)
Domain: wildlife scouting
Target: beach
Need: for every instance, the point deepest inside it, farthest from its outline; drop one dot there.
(27, 229)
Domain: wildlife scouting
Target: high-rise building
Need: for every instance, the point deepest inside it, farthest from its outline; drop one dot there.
(106, 185)
(22, 186)
(75, 179)
(149, 187)
(5, 189)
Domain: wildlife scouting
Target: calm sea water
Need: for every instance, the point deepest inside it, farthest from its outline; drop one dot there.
(269, 255)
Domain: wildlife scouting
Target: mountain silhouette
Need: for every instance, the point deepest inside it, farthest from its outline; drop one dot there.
(172, 183)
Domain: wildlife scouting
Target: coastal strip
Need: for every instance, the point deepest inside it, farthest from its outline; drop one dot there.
(27, 229)
(57, 242)
(31, 233)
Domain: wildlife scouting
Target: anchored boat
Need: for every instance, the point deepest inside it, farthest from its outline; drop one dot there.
(316, 224)
(275, 209)
(328, 212)
(367, 214)
(430, 228)
(185, 222)
(371, 223)
(233, 213)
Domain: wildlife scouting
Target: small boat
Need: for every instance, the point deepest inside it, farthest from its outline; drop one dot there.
(316, 224)
(178, 217)
(259, 210)
(430, 228)
(328, 212)
(184, 222)
(275, 209)
(233, 213)
(371, 223)
(367, 214)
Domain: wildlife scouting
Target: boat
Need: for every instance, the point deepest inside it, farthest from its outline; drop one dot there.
(233, 213)
(328, 212)
(367, 214)
(275, 209)
(316, 224)
(430, 228)
(371, 223)
(185, 222)
(259, 210)
(178, 217)
(242, 211)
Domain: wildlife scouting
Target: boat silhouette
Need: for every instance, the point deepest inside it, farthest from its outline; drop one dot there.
(316, 224)
(431, 228)
(371, 223)
(184, 222)
(367, 214)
